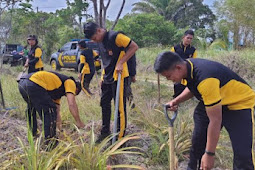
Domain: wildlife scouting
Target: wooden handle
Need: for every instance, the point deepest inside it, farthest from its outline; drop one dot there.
(171, 148)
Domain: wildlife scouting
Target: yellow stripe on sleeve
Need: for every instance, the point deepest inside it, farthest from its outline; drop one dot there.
(38, 52)
(70, 86)
(210, 91)
(195, 54)
(82, 59)
(172, 49)
(122, 40)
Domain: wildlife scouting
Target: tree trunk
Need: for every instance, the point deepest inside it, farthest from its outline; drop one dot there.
(245, 39)
(101, 8)
(118, 16)
(104, 13)
(236, 36)
(95, 11)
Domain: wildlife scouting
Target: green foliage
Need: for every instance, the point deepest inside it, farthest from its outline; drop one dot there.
(70, 153)
(147, 29)
(237, 15)
(182, 13)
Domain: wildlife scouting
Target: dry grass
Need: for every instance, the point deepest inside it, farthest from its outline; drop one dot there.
(146, 115)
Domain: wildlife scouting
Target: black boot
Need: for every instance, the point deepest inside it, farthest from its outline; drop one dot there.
(102, 136)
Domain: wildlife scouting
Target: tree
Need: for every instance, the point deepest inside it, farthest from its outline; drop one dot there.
(182, 13)
(148, 29)
(100, 17)
(238, 15)
(79, 9)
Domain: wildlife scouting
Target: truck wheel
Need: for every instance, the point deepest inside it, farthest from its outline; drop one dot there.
(54, 65)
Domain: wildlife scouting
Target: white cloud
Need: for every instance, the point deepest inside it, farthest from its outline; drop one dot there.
(53, 5)
(49, 5)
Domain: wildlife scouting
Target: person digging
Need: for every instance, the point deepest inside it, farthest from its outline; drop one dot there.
(42, 92)
(225, 99)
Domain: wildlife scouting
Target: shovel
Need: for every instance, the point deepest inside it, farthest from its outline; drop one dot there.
(21, 74)
(116, 109)
(171, 136)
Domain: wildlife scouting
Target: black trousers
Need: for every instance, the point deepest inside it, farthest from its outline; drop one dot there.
(178, 89)
(239, 126)
(38, 100)
(85, 82)
(129, 93)
(109, 93)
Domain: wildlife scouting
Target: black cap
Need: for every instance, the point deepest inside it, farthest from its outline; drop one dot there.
(32, 37)
(82, 43)
(90, 29)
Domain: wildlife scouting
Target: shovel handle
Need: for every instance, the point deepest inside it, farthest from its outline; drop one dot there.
(172, 119)
(24, 69)
(116, 109)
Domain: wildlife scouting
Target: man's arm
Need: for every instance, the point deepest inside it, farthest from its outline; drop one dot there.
(133, 47)
(74, 109)
(26, 64)
(213, 132)
(59, 121)
(185, 95)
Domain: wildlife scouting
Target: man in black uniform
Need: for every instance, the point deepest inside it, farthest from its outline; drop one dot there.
(225, 100)
(185, 50)
(42, 91)
(34, 60)
(87, 67)
(115, 50)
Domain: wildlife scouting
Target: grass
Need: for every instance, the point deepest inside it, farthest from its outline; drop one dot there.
(147, 115)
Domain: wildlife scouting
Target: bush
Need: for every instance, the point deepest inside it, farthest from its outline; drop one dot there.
(148, 29)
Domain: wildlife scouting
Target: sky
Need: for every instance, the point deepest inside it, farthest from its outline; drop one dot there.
(53, 5)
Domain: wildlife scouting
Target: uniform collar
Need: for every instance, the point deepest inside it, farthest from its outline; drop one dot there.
(182, 46)
(190, 69)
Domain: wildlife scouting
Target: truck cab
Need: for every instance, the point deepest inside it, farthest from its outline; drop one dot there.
(68, 56)
(12, 54)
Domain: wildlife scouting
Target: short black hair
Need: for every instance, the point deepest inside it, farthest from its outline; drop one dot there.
(190, 32)
(90, 29)
(82, 43)
(166, 60)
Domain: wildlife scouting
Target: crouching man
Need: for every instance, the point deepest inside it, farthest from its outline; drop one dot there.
(225, 100)
(42, 91)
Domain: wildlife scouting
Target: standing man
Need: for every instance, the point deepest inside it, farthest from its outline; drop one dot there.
(87, 66)
(185, 51)
(115, 50)
(34, 60)
(42, 91)
(225, 100)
